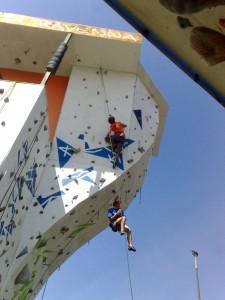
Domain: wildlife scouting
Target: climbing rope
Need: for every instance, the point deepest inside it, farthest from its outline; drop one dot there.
(107, 102)
(104, 91)
(128, 269)
(140, 199)
(134, 94)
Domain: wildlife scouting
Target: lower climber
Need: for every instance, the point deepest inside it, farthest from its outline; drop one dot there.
(117, 221)
(116, 137)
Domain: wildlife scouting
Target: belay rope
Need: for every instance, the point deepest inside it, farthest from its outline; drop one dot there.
(128, 269)
(107, 105)
(108, 111)
(107, 101)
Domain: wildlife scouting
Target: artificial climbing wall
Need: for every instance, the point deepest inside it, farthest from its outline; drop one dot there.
(24, 150)
(69, 204)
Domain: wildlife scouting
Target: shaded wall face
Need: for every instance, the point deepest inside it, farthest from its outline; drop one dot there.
(23, 157)
(55, 90)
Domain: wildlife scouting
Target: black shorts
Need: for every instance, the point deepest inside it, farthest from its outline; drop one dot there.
(115, 226)
(117, 143)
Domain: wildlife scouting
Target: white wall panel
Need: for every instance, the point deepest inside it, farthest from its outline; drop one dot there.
(24, 152)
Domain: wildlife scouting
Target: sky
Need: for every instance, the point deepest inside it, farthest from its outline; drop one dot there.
(182, 203)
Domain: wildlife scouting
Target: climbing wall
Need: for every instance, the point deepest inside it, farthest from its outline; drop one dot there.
(24, 151)
(67, 206)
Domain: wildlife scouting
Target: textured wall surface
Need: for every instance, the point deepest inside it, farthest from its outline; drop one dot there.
(55, 91)
(64, 209)
(24, 150)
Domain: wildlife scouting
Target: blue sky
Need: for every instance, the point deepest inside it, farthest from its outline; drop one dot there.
(183, 198)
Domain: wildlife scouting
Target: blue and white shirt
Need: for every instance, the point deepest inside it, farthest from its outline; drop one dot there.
(112, 211)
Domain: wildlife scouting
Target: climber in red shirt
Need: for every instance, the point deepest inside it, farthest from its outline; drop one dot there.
(116, 137)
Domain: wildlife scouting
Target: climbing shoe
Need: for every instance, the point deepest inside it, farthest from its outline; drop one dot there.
(131, 249)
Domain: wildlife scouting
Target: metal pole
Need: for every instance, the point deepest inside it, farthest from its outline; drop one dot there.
(55, 61)
(195, 254)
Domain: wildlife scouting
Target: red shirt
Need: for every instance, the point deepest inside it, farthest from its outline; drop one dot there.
(117, 128)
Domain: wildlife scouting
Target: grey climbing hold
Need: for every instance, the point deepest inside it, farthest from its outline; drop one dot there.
(22, 253)
(1, 91)
(11, 174)
(141, 149)
(60, 252)
(23, 276)
(17, 60)
(13, 223)
(130, 161)
(2, 208)
(64, 229)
